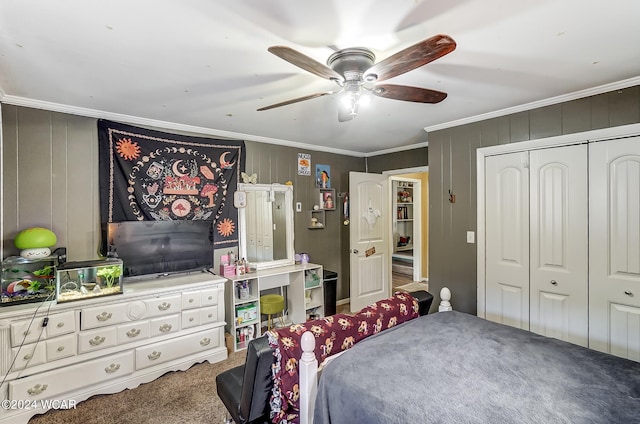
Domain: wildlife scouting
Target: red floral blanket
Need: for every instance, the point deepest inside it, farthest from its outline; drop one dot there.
(333, 335)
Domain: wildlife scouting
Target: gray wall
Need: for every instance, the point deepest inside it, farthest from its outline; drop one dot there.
(50, 179)
(452, 165)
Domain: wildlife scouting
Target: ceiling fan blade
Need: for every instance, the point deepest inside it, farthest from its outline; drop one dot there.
(305, 62)
(409, 94)
(411, 58)
(299, 99)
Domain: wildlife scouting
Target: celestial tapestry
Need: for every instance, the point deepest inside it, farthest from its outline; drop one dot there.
(152, 175)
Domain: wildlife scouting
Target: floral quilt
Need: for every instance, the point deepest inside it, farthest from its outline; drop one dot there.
(333, 334)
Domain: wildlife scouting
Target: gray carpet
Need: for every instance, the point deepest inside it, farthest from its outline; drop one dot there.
(176, 397)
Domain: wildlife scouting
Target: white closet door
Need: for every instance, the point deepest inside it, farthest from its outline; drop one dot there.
(614, 247)
(559, 239)
(507, 239)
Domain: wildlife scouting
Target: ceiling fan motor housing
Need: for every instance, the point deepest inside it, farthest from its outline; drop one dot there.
(351, 62)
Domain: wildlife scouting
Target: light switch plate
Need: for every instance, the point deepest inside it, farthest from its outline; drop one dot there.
(471, 237)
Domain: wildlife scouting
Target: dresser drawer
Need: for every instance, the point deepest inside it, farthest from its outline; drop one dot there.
(29, 355)
(163, 305)
(60, 324)
(191, 300)
(88, 341)
(211, 296)
(102, 316)
(133, 332)
(210, 315)
(190, 318)
(158, 353)
(27, 331)
(165, 325)
(53, 383)
(61, 347)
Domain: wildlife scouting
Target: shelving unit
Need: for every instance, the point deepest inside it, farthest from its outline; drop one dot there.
(295, 282)
(317, 219)
(403, 219)
(246, 307)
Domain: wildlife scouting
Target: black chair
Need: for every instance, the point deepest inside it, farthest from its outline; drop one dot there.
(246, 389)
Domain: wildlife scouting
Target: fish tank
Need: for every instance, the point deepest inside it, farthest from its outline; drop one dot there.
(88, 279)
(28, 280)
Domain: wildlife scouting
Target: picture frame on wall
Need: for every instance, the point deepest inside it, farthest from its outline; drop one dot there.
(327, 198)
(323, 176)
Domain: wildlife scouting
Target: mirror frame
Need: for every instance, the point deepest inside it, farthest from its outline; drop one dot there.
(242, 217)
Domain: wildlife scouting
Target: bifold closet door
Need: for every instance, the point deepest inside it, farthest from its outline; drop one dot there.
(558, 243)
(614, 247)
(507, 239)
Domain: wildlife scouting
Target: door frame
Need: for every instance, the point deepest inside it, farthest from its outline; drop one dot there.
(394, 175)
(542, 143)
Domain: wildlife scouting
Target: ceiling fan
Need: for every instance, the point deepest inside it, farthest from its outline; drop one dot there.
(354, 71)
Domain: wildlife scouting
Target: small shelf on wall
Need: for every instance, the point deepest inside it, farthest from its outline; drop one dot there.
(326, 198)
(316, 219)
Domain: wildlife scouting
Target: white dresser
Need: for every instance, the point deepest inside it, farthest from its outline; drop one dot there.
(106, 345)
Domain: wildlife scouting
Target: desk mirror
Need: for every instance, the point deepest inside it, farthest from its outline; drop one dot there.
(266, 225)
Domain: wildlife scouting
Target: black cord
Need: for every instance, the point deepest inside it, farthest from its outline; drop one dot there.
(44, 324)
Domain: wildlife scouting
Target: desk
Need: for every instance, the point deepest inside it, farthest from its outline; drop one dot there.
(301, 284)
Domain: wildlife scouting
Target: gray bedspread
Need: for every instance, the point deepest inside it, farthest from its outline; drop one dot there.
(451, 367)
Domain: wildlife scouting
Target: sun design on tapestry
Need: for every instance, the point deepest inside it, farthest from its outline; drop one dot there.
(128, 149)
(226, 227)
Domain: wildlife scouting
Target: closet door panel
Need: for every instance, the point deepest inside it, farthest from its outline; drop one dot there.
(558, 259)
(614, 247)
(507, 239)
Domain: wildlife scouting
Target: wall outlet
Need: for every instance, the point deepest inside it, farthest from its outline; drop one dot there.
(298, 206)
(471, 237)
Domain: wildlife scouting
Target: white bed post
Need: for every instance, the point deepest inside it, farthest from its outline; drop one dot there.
(308, 374)
(445, 297)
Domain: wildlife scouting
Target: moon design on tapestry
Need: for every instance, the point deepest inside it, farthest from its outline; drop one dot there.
(223, 162)
(176, 168)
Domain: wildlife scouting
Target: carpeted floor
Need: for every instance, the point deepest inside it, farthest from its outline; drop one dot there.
(176, 397)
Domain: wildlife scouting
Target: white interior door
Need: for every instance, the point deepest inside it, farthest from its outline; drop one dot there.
(558, 259)
(614, 247)
(370, 238)
(507, 239)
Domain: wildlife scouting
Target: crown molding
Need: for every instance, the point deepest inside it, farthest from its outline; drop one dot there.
(164, 125)
(540, 103)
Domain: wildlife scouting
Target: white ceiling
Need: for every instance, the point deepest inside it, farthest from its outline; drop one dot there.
(203, 65)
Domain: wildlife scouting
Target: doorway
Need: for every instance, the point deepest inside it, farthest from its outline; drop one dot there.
(409, 227)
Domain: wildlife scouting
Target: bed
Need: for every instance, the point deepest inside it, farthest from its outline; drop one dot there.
(451, 367)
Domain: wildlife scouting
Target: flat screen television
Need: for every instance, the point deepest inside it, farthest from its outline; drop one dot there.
(158, 248)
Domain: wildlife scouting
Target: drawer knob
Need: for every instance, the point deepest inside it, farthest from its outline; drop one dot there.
(554, 283)
(28, 356)
(210, 316)
(191, 319)
(60, 348)
(26, 333)
(206, 341)
(105, 316)
(210, 298)
(164, 306)
(165, 328)
(154, 355)
(60, 324)
(112, 368)
(96, 341)
(37, 389)
(191, 300)
(134, 332)
(628, 293)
